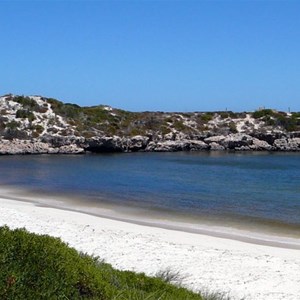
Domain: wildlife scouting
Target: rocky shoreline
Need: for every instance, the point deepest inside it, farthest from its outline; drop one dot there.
(73, 145)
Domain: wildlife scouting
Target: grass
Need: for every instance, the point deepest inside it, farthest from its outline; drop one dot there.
(170, 276)
(42, 267)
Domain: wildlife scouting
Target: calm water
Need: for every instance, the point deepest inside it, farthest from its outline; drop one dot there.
(258, 188)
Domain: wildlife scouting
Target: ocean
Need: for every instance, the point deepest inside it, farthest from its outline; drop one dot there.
(250, 191)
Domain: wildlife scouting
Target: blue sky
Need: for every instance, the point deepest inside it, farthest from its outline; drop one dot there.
(154, 55)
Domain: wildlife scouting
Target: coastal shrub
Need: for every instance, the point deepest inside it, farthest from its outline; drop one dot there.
(178, 125)
(38, 128)
(52, 130)
(2, 125)
(43, 267)
(26, 102)
(168, 119)
(87, 134)
(54, 103)
(15, 133)
(291, 125)
(224, 115)
(152, 122)
(296, 118)
(23, 114)
(232, 127)
(206, 117)
(269, 121)
(296, 115)
(262, 113)
(70, 111)
(66, 110)
(165, 130)
(3, 112)
(281, 119)
(12, 125)
(230, 114)
(42, 109)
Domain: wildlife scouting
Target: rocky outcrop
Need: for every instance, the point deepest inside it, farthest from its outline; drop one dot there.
(287, 144)
(261, 145)
(116, 144)
(235, 142)
(178, 145)
(36, 147)
(72, 145)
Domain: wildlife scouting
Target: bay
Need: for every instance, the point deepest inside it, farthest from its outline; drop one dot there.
(254, 190)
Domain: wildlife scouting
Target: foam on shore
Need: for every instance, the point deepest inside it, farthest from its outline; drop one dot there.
(205, 262)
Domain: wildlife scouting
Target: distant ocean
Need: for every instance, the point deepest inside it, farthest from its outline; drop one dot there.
(248, 190)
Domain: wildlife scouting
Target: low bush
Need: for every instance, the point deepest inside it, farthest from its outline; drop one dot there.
(232, 127)
(23, 114)
(206, 117)
(12, 125)
(26, 102)
(42, 267)
(262, 113)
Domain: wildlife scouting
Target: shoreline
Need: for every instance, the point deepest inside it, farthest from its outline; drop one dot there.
(142, 218)
(234, 267)
(264, 240)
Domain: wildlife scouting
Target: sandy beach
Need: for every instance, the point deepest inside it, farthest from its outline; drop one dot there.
(240, 269)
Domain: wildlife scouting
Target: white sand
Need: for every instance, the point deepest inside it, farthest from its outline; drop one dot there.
(242, 270)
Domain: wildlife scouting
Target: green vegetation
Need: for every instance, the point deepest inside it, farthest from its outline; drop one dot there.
(29, 104)
(206, 117)
(2, 125)
(178, 125)
(26, 102)
(12, 125)
(86, 119)
(22, 113)
(36, 130)
(262, 113)
(281, 119)
(103, 120)
(232, 127)
(90, 120)
(42, 267)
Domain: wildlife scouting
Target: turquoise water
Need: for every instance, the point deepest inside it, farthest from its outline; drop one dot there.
(254, 188)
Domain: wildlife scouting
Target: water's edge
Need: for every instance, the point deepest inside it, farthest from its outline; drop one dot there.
(130, 216)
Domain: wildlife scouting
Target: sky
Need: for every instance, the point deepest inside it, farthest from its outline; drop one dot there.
(154, 55)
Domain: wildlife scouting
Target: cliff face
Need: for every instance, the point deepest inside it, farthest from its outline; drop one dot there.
(33, 125)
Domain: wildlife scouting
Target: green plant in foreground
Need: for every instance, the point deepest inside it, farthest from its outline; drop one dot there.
(169, 276)
(42, 267)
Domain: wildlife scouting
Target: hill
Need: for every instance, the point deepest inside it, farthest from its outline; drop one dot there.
(36, 124)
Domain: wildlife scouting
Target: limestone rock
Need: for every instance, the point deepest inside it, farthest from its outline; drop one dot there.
(215, 139)
(237, 141)
(171, 146)
(36, 147)
(260, 145)
(216, 147)
(287, 144)
(137, 143)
